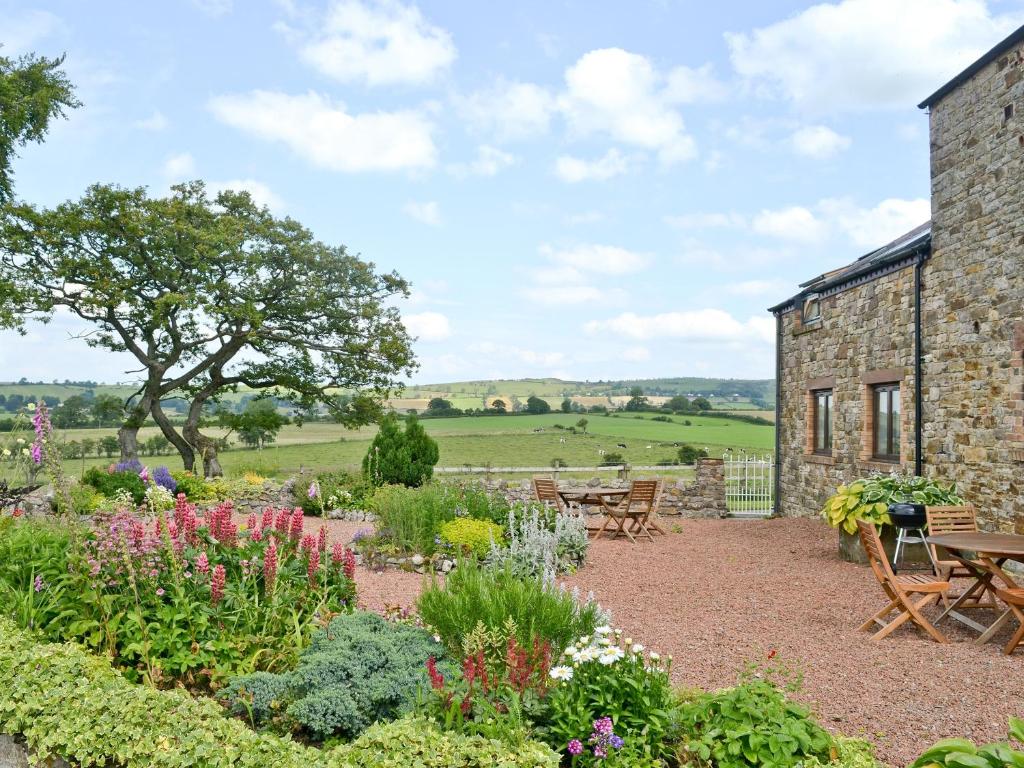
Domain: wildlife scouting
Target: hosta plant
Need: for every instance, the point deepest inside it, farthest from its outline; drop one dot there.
(962, 753)
(869, 498)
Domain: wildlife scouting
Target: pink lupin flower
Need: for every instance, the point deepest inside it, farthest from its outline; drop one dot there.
(337, 553)
(217, 584)
(307, 544)
(268, 518)
(256, 534)
(321, 539)
(203, 563)
(348, 564)
(283, 521)
(314, 567)
(295, 528)
(270, 567)
(181, 507)
(250, 522)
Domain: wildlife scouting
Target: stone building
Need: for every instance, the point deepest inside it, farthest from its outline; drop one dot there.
(911, 357)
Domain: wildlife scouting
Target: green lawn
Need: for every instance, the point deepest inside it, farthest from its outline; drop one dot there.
(496, 441)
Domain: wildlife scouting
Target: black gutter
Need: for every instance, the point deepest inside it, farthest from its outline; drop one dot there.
(777, 505)
(918, 384)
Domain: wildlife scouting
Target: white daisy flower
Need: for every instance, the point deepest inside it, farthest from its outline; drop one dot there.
(588, 654)
(654, 656)
(561, 673)
(611, 655)
(585, 639)
(638, 648)
(605, 630)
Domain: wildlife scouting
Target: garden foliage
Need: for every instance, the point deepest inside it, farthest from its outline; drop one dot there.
(67, 702)
(963, 753)
(471, 538)
(360, 670)
(541, 543)
(869, 499)
(398, 457)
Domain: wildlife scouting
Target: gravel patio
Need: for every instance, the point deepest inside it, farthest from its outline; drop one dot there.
(719, 593)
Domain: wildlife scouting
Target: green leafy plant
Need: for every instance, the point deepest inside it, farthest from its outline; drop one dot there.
(869, 498)
(66, 702)
(752, 724)
(471, 537)
(360, 670)
(962, 753)
(109, 483)
(333, 490)
(401, 458)
(473, 595)
(604, 675)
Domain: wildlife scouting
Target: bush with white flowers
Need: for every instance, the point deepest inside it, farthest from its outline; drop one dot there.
(606, 679)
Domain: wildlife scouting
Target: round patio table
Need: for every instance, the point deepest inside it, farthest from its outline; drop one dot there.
(593, 497)
(991, 551)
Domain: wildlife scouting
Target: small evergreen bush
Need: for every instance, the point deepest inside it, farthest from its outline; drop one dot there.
(401, 458)
(688, 454)
(360, 670)
(109, 483)
(471, 537)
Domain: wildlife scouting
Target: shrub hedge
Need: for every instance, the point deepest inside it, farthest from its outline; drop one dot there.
(64, 701)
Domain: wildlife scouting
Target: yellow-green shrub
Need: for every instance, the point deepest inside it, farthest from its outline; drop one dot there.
(471, 536)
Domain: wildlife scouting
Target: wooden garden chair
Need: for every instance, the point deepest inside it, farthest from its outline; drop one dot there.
(957, 520)
(900, 590)
(1014, 598)
(636, 508)
(546, 491)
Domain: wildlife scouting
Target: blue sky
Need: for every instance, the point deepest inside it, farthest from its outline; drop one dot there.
(574, 189)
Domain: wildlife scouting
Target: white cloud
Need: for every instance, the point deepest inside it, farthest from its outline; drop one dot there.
(863, 54)
(874, 227)
(21, 33)
(329, 137)
(601, 259)
(688, 85)
(179, 167)
(428, 326)
(697, 325)
(573, 169)
(260, 192)
(214, 8)
(378, 43)
(428, 213)
(555, 295)
(620, 94)
(585, 217)
(155, 122)
(636, 354)
(509, 110)
(818, 141)
(524, 355)
(794, 223)
(489, 161)
(687, 221)
(757, 287)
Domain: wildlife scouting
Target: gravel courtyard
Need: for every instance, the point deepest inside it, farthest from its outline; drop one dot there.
(719, 593)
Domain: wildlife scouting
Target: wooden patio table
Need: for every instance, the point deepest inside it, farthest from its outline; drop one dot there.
(593, 497)
(991, 551)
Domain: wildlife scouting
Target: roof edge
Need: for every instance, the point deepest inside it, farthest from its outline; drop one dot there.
(986, 58)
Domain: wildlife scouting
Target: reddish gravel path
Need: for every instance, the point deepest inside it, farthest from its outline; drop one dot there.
(723, 592)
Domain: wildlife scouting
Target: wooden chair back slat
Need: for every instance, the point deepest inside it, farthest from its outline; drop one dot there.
(963, 519)
(546, 491)
(643, 492)
(872, 544)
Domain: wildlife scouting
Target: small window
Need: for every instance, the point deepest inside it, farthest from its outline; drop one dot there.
(886, 438)
(812, 308)
(823, 421)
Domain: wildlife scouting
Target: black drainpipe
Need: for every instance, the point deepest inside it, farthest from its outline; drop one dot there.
(918, 384)
(777, 506)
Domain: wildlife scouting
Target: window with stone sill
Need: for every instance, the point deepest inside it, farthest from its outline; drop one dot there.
(885, 438)
(822, 420)
(811, 309)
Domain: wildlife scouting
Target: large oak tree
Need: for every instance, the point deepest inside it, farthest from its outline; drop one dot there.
(208, 296)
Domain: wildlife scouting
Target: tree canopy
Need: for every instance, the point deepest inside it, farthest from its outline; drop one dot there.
(33, 91)
(537, 405)
(208, 295)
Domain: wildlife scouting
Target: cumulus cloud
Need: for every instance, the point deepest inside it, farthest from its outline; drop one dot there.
(757, 287)
(381, 42)
(509, 110)
(428, 326)
(874, 227)
(601, 259)
(573, 169)
(524, 355)
(558, 295)
(155, 122)
(818, 142)
(428, 213)
(794, 223)
(179, 167)
(260, 192)
(489, 161)
(702, 325)
(326, 135)
(866, 54)
(690, 85)
(620, 94)
(22, 32)
(709, 220)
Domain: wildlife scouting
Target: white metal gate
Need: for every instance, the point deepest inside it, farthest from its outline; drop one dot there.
(749, 484)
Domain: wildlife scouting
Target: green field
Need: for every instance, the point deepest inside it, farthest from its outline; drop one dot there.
(494, 441)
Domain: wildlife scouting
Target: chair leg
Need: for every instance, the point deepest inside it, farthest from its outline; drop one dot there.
(915, 611)
(1016, 639)
(877, 618)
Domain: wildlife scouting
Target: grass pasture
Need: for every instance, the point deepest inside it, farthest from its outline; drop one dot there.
(496, 441)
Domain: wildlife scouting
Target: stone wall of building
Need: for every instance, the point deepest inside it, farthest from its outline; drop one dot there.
(865, 336)
(702, 497)
(974, 292)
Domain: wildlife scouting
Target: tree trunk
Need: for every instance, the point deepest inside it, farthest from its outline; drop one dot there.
(128, 439)
(183, 444)
(207, 448)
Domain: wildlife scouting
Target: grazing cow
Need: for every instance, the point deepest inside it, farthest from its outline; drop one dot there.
(561, 439)
(620, 445)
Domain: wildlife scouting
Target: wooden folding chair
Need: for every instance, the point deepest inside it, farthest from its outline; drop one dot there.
(899, 589)
(635, 508)
(546, 491)
(957, 520)
(1014, 598)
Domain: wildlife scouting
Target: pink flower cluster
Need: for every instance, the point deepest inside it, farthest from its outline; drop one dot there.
(270, 567)
(217, 584)
(185, 518)
(346, 558)
(41, 424)
(220, 521)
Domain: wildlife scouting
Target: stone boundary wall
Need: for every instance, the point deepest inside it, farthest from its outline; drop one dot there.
(14, 754)
(703, 497)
